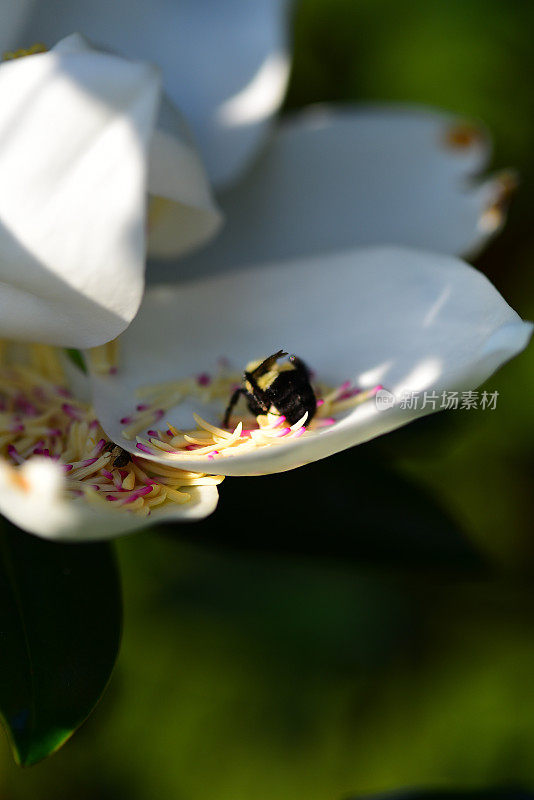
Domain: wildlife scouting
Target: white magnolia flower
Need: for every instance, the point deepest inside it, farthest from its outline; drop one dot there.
(78, 153)
(290, 268)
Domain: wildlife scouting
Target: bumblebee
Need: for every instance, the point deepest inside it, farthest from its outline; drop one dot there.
(120, 457)
(286, 387)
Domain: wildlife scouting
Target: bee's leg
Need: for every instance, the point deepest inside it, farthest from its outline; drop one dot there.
(230, 407)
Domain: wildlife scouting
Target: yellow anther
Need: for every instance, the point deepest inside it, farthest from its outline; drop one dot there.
(38, 47)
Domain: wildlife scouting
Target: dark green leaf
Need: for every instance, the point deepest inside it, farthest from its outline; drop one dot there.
(60, 623)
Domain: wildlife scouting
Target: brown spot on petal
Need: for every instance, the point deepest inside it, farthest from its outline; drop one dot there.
(504, 188)
(463, 135)
(18, 480)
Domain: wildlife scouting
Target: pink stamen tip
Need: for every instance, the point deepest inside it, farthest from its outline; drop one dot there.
(67, 467)
(96, 486)
(159, 413)
(110, 497)
(349, 393)
(192, 447)
(203, 379)
(113, 370)
(88, 461)
(70, 411)
(320, 403)
(300, 431)
(94, 423)
(125, 420)
(63, 392)
(142, 407)
(136, 494)
(107, 474)
(152, 433)
(54, 432)
(16, 428)
(143, 448)
(100, 445)
(27, 408)
(12, 451)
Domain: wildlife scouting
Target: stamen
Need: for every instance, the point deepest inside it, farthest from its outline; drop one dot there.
(104, 359)
(38, 47)
(36, 418)
(214, 442)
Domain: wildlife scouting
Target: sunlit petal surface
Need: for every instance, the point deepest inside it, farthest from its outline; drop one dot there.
(181, 210)
(74, 135)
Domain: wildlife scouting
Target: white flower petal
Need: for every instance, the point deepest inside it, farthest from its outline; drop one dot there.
(74, 133)
(32, 498)
(332, 179)
(181, 211)
(412, 321)
(224, 64)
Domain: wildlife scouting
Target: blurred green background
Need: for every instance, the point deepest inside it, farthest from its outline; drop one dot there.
(372, 628)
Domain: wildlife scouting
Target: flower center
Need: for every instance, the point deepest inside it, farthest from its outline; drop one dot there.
(40, 417)
(246, 432)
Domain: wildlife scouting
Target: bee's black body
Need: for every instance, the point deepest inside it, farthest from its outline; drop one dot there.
(287, 388)
(120, 457)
